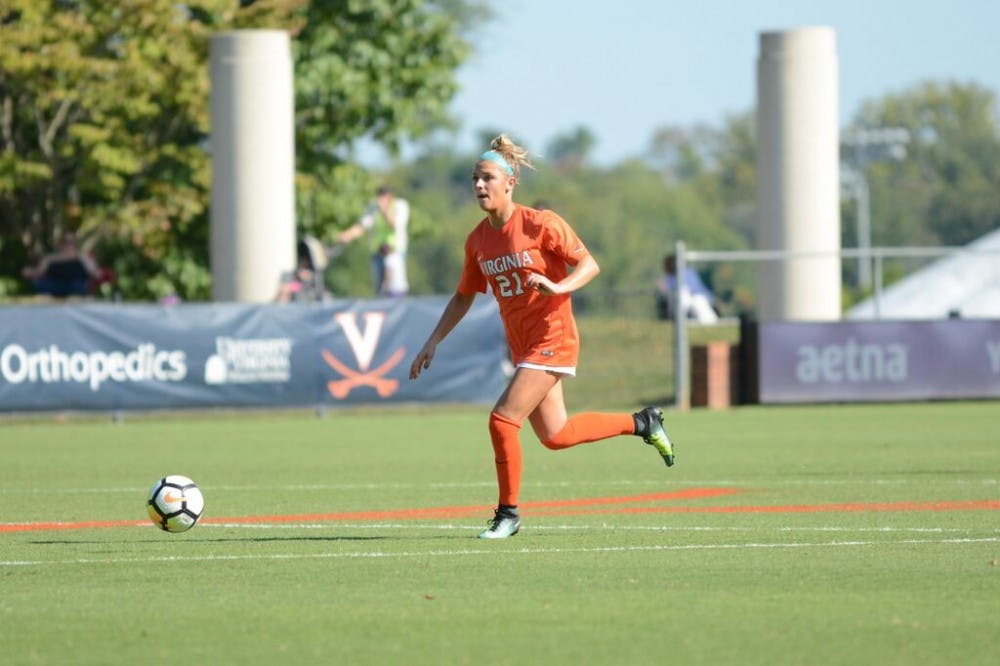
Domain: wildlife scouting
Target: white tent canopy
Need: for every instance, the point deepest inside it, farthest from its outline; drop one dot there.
(964, 284)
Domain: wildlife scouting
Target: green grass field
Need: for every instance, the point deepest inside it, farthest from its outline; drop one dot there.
(810, 535)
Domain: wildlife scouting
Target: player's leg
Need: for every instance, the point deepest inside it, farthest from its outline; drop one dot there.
(557, 431)
(649, 426)
(527, 388)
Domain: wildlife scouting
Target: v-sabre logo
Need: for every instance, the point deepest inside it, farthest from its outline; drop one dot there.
(363, 343)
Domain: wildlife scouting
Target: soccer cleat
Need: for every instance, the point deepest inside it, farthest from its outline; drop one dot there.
(504, 524)
(649, 424)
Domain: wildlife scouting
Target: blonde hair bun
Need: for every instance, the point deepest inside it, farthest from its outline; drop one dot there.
(513, 154)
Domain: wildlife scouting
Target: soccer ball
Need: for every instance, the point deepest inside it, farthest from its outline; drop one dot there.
(175, 503)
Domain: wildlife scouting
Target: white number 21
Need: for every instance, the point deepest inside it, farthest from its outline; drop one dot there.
(506, 288)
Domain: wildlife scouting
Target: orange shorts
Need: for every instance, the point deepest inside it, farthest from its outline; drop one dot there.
(546, 343)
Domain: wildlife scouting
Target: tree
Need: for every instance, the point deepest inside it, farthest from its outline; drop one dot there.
(104, 118)
(682, 153)
(717, 163)
(381, 71)
(571, 150)
(104, 127)
(947, 190)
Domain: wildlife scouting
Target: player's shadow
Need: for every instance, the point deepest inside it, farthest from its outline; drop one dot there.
(283, 539)
(255, 539)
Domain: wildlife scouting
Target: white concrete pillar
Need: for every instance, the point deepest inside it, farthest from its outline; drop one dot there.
(798, 188)
(253, 164)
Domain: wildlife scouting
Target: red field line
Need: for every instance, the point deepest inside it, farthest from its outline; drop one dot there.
(388, 514)
(462, 511)
(81, 525)
(849, 507)
(548, 508)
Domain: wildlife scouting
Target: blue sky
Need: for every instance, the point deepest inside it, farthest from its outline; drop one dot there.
(624, 68)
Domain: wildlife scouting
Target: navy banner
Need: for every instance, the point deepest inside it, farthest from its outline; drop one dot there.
(142, 357)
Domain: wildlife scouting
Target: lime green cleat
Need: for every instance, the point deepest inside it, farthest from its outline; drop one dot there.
(649, 424)
(504, 524)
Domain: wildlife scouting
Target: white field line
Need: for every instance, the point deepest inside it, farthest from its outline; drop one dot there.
(603, 527)
(491, 484)
(465, 552)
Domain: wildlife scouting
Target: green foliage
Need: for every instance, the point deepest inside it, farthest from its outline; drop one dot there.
(629, 216)
(947, 189)
(376, 70)
(104, 122)
(106, 119)
(107, 128)
(571, 149)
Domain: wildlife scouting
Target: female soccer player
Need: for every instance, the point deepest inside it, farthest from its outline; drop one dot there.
(523, 255)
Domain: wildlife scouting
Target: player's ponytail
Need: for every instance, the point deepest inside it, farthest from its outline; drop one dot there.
(508, 155)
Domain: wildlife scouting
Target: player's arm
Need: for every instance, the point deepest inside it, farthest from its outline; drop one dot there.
(585, 271)
(457, 307)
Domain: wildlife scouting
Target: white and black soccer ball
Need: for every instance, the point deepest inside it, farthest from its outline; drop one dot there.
(175, 503)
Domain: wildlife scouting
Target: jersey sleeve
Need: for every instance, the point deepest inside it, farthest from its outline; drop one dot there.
(472, 279)
(562, 240)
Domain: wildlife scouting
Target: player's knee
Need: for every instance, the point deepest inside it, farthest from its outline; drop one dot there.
(552, 443)
(500, 423)
(560, 440)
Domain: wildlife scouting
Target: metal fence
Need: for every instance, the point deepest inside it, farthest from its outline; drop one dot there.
(873, 258)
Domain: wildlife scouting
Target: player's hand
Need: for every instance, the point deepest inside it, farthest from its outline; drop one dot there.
(542, 284)
(422, 360)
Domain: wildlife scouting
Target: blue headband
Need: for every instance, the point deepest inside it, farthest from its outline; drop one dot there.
(498, 159)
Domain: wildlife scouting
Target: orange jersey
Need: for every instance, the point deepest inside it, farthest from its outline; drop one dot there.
(540, 328)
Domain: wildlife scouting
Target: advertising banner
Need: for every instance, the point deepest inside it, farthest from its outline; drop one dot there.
(878, 361)
(143, 357)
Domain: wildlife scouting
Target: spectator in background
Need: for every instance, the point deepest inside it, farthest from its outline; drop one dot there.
(696, 298)
(394, 281)
(68, 271)
(385, 220)
(305, 283)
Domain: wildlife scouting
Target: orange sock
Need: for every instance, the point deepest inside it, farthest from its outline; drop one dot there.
(507, 448)
(590, 427)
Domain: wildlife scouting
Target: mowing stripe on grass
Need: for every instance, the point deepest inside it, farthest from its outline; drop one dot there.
(313, 487)
(549, 508)
(373, 554)
(845, 507)
(459, 511)
(605, 527)
(388, 514)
